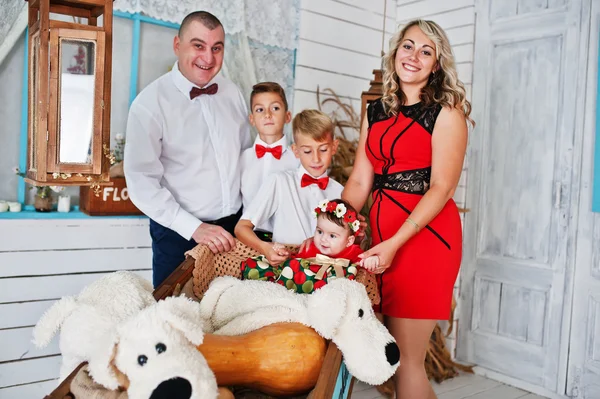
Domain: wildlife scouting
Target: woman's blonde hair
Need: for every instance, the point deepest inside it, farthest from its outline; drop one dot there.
(443, 87)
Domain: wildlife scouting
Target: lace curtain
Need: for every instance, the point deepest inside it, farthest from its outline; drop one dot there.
(261, 36)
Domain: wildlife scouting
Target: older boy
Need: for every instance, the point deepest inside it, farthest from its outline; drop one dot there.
(270, 153)
(288, 198)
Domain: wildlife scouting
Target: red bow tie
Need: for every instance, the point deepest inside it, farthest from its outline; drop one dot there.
(307, 180)
(262, 150)
(212, 89)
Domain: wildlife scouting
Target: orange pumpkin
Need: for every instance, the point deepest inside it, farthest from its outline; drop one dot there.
(282, 359)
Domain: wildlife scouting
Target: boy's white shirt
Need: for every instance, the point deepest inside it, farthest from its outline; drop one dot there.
(255, 171)
(288, 206)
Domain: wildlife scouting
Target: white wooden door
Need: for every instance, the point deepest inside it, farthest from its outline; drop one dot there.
(584, 352)
(517, 246)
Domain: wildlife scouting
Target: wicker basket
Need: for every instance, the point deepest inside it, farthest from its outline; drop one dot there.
(209, 266)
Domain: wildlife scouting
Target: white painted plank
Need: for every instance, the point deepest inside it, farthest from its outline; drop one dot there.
(49, 287)
(17, 345)
(22, 314)
(427, 7)
(308, 79)
(308, 99)
(463, 53)
(350, 13)
(500, 392)
(448, 19)
(337, 33)
(465, 72)
(469, 390)
(461, 35)
(373, 5)
(34, 390)
(455, 383)
(340, 60)
(34, 263)
(30, 234)
(26, 371)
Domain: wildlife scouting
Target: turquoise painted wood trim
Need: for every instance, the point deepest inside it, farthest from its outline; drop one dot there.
(23, 133)
(135, 48)
(135, 59)
(32, 214)
(342, 384)
(596, 181)
(144, 18)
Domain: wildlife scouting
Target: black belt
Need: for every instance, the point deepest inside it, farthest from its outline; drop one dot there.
(414, 181)
(227, 222)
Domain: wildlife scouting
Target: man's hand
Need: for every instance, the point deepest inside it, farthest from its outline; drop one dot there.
(275, 253)
(215, 237)
(306, 244)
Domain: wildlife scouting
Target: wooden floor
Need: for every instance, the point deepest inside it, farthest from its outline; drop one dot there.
(465, 386)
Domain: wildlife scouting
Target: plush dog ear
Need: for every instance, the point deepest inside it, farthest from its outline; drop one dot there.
(101, 367)
(183, 314)
(326, 307)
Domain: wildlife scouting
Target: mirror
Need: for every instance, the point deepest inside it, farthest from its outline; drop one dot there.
(76, 100)
(33, 105)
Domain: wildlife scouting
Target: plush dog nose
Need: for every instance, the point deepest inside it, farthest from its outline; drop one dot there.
(392, 353)
(175, 388)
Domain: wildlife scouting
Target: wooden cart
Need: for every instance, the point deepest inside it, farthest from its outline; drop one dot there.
(334, 381)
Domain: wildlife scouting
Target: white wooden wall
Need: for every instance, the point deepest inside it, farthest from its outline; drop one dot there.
(457, 18)
(340, 45)
(43, 260)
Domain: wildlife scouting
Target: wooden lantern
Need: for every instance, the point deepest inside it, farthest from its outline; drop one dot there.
(69, 93)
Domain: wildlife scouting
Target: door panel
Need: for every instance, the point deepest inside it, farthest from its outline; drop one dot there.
(517, 233)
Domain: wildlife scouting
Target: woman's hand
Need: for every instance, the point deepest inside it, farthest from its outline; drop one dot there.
(385, 251)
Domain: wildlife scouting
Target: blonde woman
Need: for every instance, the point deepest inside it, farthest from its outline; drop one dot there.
(410, 156)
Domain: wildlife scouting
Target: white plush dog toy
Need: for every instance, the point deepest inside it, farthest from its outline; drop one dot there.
(340, 311)
(87, 320)
(156, 351)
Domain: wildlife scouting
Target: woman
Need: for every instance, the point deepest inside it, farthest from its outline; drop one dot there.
(410, 157)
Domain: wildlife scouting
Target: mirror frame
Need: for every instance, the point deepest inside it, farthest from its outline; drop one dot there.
(54, 134)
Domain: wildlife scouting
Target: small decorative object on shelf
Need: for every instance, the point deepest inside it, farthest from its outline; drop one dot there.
(3, 206)
(14, 206)
(43, 196)
(64, 203)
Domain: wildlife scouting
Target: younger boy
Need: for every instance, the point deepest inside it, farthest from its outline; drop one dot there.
(270, 153)
(287, 198)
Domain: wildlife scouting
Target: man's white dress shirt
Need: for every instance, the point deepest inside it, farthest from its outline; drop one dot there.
(255, 171)
(288, 206)
(182, 156)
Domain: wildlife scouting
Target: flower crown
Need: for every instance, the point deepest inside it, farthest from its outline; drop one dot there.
(341, 212)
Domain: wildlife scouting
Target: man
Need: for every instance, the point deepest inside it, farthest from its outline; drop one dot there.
(185, 133)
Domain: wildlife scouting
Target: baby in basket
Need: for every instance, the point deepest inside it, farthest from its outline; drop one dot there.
(332, 254)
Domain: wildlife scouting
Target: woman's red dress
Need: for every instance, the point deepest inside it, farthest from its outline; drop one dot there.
(420, 281)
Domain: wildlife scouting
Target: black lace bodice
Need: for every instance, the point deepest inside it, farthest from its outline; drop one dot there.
(424, 116)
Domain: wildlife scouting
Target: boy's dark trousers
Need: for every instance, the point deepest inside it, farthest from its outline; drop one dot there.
(169, 248)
